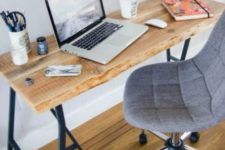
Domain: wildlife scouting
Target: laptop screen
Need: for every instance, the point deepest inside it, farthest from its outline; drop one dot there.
(70, 17)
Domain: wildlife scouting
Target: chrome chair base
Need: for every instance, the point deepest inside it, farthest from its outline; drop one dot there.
(174, 142)
(186, 147)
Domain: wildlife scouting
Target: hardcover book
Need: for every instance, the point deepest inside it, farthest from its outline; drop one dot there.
(187, 9)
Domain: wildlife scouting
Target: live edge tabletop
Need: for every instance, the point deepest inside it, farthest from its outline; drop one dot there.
(48, 92)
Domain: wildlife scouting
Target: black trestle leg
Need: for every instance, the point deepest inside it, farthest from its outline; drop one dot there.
(11, 142)
(58, 113)
(61, 127)
(183, 55)
(185, 49)
(168, 54)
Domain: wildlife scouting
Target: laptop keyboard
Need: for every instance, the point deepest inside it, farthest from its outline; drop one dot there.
(97, 35)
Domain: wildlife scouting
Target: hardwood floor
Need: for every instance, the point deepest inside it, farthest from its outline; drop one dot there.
(109, 131)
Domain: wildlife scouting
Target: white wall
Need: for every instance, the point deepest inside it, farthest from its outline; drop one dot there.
(42, 128)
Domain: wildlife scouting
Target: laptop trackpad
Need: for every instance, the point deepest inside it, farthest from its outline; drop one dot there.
(120, 40)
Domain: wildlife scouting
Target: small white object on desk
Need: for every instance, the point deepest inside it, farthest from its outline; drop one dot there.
(156, 23)
(63, 70)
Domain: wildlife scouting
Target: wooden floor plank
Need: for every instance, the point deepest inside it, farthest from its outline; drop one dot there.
(109, 131)
(129, 141)
(108, 136)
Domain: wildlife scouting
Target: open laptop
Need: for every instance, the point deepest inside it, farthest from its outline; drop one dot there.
(81, 28)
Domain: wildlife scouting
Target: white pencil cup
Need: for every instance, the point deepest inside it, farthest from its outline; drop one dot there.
(128, 8)
(20, 45)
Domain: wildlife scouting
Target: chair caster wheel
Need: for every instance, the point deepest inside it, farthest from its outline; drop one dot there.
(195, 136)
(143, 138)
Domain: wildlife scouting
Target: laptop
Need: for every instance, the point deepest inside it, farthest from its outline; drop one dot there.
(81, 28)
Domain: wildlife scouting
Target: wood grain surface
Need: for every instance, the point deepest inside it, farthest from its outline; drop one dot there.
(49, 92)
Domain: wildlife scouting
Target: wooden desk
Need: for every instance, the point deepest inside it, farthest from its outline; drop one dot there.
(48, 93)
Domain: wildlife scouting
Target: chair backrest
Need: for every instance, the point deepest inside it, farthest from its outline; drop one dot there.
(211, 63)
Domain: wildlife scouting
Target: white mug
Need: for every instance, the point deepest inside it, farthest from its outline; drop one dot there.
(19, 56)
(20, 45)
(128, 8)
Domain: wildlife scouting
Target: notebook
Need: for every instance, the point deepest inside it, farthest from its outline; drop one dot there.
(187, 9)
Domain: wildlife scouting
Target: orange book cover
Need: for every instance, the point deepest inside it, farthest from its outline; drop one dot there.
(187, 9)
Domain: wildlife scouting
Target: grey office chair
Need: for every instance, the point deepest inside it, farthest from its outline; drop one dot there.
(180, 96)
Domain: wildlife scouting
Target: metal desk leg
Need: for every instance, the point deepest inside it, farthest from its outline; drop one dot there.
(61, 126)
(185, 49)
(58, 113)
(11, 142)
(183, 55)
(168, 54)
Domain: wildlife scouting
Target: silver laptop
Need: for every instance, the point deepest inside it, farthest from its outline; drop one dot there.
(81, 28)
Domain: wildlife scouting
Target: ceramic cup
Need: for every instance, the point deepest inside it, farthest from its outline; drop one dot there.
(128, 8)
(20, 45)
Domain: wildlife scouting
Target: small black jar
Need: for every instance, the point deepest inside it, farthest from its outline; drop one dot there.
(42, 46)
